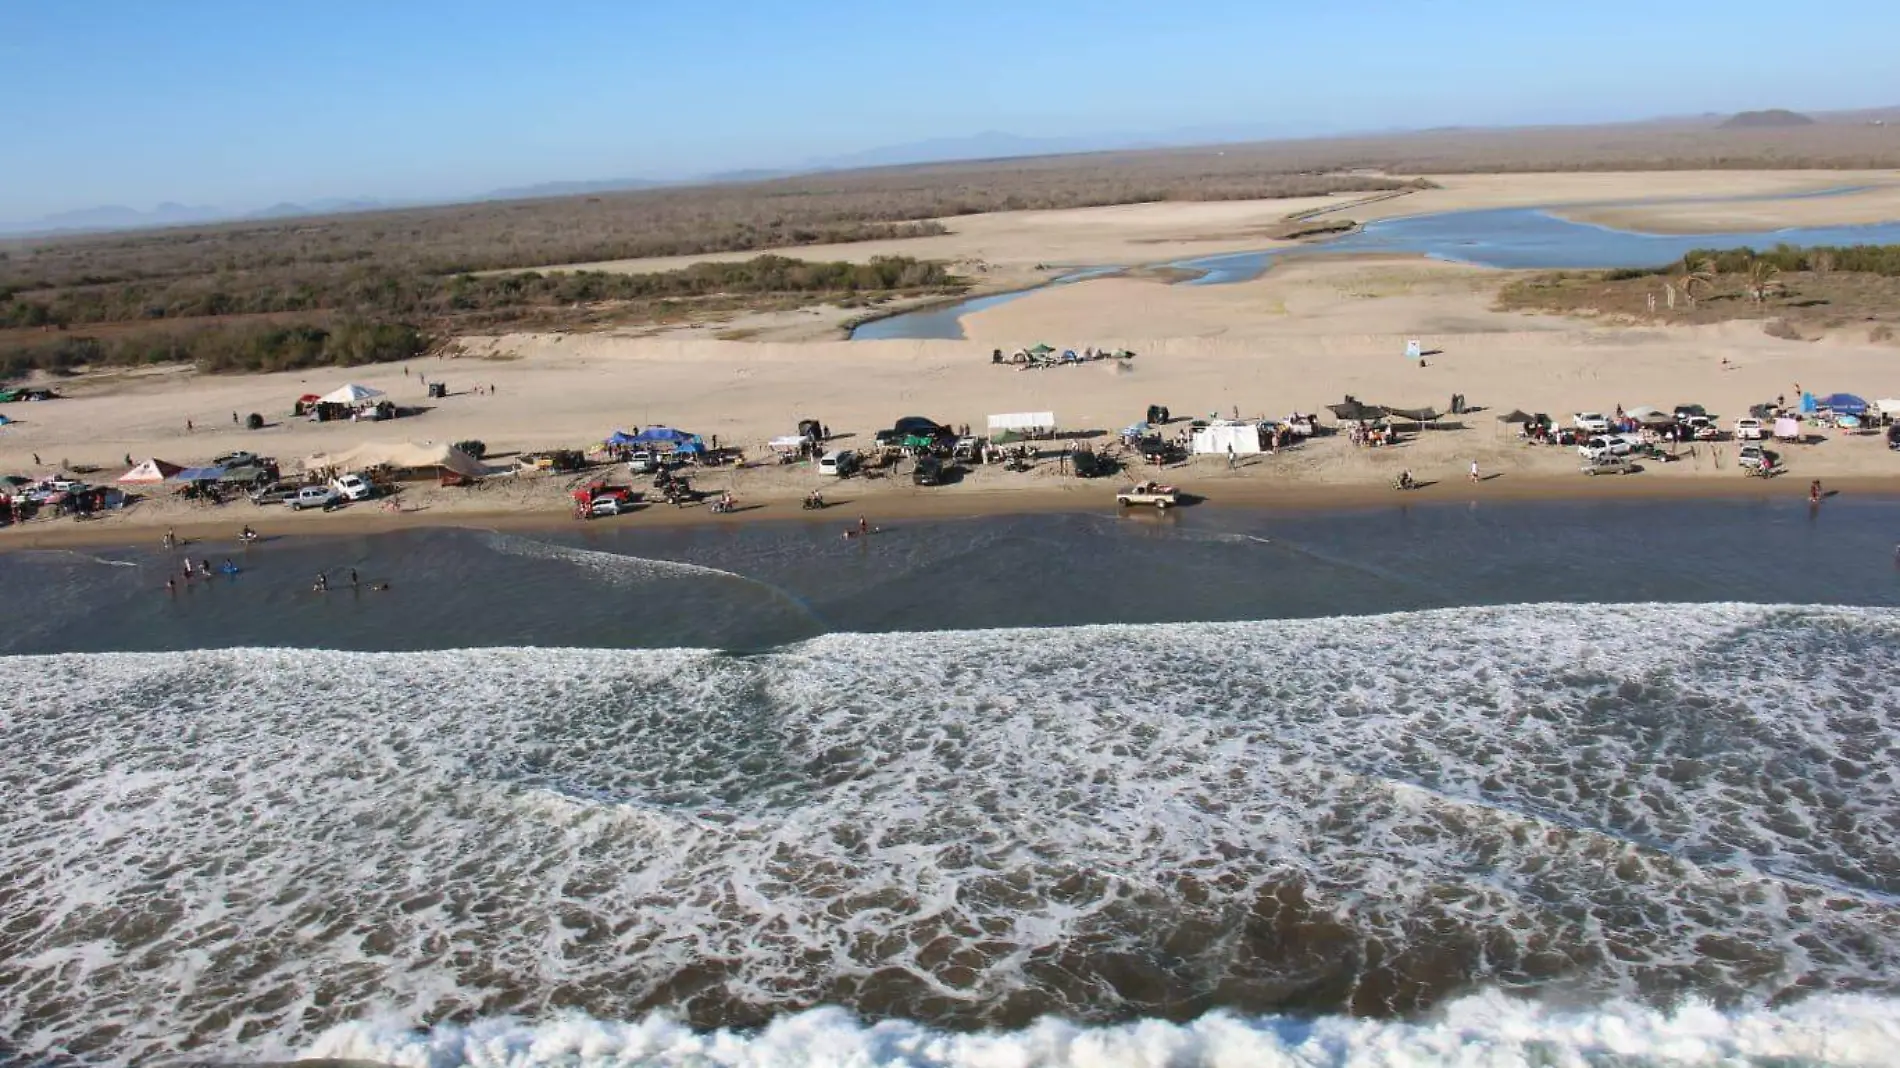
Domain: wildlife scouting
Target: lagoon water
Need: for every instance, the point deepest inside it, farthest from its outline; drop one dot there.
(1451, 784)
(1499, 237)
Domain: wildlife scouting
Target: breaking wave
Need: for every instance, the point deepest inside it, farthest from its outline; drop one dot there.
(1484, 1031)
(1683, 817)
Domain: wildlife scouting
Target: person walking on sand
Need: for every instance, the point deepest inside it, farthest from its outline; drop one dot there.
(1474, 471)
(188, 426)
(1230, 456)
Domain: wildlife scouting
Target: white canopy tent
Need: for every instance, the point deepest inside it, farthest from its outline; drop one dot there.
(1888, 405)
(1024, 422)
(150, 471)
(1218, 439)
(350, 393)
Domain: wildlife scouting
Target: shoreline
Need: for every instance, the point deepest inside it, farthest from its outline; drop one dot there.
(884, 508)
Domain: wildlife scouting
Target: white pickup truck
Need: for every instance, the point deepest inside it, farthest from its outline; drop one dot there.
(1605, 445)
(1591, 422)
(1149, 493)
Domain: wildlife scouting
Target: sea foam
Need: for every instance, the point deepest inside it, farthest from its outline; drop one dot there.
(1481, 1031)
(231, 853)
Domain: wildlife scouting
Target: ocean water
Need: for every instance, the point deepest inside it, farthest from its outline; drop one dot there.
(1386, 787)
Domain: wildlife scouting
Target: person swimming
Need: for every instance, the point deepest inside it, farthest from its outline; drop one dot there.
(322, 584)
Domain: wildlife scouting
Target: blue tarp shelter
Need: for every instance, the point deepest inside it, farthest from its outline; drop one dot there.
(621, 437)
(666, 435)
(1845, 403)
(199, 474)
(1808, 407)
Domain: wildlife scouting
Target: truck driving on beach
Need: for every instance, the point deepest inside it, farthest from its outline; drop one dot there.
(1150, 493)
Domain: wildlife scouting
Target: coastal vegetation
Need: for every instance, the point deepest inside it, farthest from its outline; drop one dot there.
(302, 292)
(255, 294)
(374, 316)
(1798, 292)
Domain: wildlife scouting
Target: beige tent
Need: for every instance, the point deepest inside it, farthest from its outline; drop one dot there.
(150, 471)
(401, 455)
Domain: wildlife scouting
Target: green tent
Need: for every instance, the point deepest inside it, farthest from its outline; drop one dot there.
(1042, 350)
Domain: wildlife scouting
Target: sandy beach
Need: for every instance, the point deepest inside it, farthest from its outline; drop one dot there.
(1302, 336)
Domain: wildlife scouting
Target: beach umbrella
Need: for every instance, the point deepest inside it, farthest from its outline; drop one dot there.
(1515, 415)
(150, 471)
(1641, 411)
(1042, 350)
(350, 393)
(1843, 402)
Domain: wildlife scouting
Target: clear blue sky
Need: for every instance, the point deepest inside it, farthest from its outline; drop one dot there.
(241, 104)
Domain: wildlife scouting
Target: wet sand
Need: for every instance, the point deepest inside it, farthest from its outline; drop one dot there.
(887, 506)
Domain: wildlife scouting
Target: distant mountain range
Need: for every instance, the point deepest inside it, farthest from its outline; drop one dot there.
(990, 144)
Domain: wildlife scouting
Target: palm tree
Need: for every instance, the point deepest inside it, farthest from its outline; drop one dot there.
(1763, 279)
(1697, 274)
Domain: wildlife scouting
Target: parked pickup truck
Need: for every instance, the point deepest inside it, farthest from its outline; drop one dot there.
(1608, 465)
(1748, 430)
(1149, 493)
(1591, 422)
(1602, 446)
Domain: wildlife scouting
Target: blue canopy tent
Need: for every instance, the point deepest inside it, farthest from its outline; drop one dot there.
(1808, 407)
(666, 435)
(620, 437)
(199, 474)
(1843, 403)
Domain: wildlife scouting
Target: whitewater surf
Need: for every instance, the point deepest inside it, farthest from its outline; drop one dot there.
(1179, 844)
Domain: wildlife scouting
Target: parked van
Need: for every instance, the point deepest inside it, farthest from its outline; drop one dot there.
(838, 463)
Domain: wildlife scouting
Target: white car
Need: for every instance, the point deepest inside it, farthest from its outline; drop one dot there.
(1591, 423)
(1599, 447)
(313, 497)
(353, 487)
(606, 506)
(1748, 430)
(643, 462)
(838, 463)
